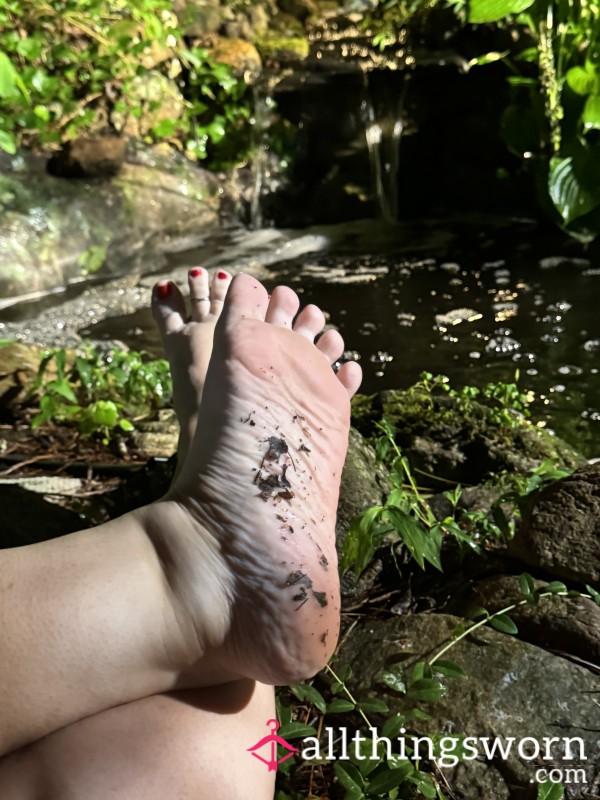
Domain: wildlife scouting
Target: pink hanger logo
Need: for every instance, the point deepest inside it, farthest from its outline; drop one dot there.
(270, 742)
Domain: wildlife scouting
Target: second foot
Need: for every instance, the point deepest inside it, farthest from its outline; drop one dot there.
(250, 555)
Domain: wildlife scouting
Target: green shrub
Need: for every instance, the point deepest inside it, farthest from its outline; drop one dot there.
(67, 65)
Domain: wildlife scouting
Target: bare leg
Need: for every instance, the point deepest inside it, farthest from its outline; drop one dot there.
(188, 744)
(159, 599)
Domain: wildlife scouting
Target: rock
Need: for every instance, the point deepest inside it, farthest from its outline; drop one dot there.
(154, 98)
(446, 440)
(158, 437)
(53, 230)
(99, 157)
(238, 54)
(18, 367)
(512, 689)
(362, 485)
(560, 533)
(199, 18)
(569, 625)
(283, 48)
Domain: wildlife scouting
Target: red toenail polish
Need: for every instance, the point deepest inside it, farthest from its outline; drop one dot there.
(222, 275)
(196, 271)
(163, 290)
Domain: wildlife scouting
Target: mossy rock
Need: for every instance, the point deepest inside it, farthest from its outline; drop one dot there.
(444, 441)
(283, 48)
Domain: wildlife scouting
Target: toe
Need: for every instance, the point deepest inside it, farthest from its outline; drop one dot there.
(283, 306)
(168, 307)
(246, 299)
(220, 285)
(199, 293)
(331, 345)
(350, 376)
(309, 322)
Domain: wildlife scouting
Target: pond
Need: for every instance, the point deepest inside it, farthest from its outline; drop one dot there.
(475, 302)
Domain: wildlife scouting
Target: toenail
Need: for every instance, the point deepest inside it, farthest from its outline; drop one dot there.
(222, 275)
(196, 271)
(163, 290)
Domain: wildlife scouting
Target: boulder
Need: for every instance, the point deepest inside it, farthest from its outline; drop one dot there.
(569, 625)
(461, 443)
(362, 484)
(512, 689)
(560, 532)
(240, 55)
(54, 231)
(97, 157)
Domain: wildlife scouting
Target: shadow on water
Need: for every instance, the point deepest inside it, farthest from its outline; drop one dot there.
(485, 309)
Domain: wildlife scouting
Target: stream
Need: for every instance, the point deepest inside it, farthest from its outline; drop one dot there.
(477, 300)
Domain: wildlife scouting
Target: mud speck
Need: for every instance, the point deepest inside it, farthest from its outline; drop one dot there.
(321, 598)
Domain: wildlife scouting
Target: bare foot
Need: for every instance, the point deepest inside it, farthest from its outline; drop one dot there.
(246, 535)
(188, 340)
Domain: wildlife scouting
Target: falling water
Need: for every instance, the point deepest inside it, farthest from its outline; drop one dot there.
(261, 122)
(381, 112)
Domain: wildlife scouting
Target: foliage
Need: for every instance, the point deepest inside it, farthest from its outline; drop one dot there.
(553, 117)
(554, 114)
(306, 709)
(406, 515)
(67, 65)
(99, 391)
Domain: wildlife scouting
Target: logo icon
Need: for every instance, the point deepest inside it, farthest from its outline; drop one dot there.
(270, 743)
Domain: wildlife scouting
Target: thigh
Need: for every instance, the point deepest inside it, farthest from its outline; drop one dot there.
(190, 745)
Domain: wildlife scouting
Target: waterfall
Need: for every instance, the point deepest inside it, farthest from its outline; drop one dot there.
(381, 111)
(261, 121)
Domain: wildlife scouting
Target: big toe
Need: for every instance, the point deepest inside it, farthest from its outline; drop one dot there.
(168, 307)
(247, 298)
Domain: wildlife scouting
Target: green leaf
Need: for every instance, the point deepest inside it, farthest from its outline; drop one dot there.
(373, 705)
(581, 80)
(63, 388)
(422, 545)
(126, 425)
(349, 777)
(570, 197)
(527, 584)
(591, 113)
(359, 545)
(487, 58)
(449, 669)
(548, 790)
(393, 680)
(424, 784)
(555, 587)
(417, 713)
(386, 779)
(8, 77)
(8, 143)
(295, 730)
(340, 706)
(392, 726)
(305, 692)
(427, 689)
(504, 624)
(595, 594)
(494, 10)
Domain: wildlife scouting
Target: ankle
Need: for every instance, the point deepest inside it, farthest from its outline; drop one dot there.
(197, 587)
